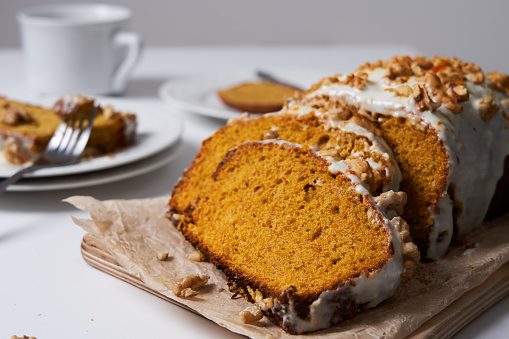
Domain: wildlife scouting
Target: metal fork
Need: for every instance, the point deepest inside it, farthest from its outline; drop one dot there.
(64, 148)
(271, 78)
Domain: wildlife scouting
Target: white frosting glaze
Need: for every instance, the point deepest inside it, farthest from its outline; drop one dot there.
(476, 148)
(68, 103)
(440, 235)
(377, 144)
(369, 290)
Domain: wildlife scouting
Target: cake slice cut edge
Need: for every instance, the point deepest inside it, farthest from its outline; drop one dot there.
(310, 247)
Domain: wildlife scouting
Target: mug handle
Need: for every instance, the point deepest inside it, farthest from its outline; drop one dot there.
(132, 42)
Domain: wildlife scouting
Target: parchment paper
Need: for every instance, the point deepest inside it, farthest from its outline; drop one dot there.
(135, 231)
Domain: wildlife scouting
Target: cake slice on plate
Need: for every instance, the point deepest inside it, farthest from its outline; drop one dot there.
(25, 129)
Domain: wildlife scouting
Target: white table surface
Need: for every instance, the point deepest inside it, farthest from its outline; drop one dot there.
(46, 288)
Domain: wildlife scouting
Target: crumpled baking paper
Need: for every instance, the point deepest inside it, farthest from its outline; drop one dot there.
(135, 231)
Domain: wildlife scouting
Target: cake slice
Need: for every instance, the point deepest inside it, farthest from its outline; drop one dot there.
(301, 235)
(447, 124)
(25, 129)
(257, 97)
(74, 106)
(302, 125)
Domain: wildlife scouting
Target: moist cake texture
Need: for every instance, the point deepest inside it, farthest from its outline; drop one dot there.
(301, 235)
(265, 195)
(343, 139)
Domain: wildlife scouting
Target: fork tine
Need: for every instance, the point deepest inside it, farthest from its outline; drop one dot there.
(74, 136)
(58, 136)
(66, 137)
(84, 135)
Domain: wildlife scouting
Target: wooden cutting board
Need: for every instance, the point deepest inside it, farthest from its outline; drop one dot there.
(443, 325)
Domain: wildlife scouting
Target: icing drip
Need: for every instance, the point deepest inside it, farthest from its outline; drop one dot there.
(476, 148)
(369, 290)
(440, 235)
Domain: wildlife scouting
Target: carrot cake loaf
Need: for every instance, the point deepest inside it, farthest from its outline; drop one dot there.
(447, 124)
(300, 234)
(257, 97)
(25, 129)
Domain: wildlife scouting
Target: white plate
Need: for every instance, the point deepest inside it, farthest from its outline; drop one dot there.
(197, 93)
(98, 177)
(158, 128)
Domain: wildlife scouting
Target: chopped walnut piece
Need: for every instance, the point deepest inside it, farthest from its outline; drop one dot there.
(271, 135)
(108, 112)
(338, 114)
(196, 256)
(453, 106)
(476, 78)
(422, 99)
(416, 69)
(186, 287)
(250, 315)
(499, 82)
(449, 75)
(487, 108)
(403, 90)
(264, 304)
(328, 152)
(187, 292)
(393, 201)
(14, 153)
(397, 66)
(411, 254)
(23, 337)
(448, 99)
(396, 70)
(357, 80)
(470, 67)
(194, 281)
(459, 92)
(423, 62)
(162, 256)
(14, 115)
(363, 170)
(432, 80)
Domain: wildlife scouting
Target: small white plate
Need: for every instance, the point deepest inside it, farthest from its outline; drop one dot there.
(197, 93)
(158, 128)
(98, 177)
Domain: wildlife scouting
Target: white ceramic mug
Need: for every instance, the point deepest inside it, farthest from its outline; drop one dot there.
(83, 48)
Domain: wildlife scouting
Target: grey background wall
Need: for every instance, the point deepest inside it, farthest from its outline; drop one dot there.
(472, 30)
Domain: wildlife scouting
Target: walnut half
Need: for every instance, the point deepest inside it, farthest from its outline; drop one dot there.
(250, 315)
(187, 287)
